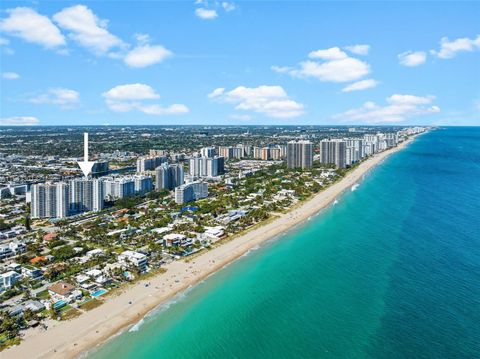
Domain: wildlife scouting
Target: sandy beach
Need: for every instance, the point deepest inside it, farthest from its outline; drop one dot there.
(70, 339)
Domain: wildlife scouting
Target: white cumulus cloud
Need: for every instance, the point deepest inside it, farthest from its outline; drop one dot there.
(271, 101)
(449, 49)
(342, 70)
(210, 10)
(328, 65)
(228, 6)
(87, 29)
(19, 121)
(398, 109)
(360, 85)
(217, 92)
(125, 98)
(10, 76)
(66, 98)
(30, 26)
(131, 92)
(281, 69)
(358, 49)
(412, 58)
(175, 109)
(333, 53)
(206, 14)
(146, 55)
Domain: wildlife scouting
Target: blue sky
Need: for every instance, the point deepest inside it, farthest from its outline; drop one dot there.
(75, 63)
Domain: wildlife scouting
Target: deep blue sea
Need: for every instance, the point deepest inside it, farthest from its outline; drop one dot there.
(391, 271)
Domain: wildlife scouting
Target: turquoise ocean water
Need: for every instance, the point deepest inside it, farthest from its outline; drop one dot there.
(391, 271)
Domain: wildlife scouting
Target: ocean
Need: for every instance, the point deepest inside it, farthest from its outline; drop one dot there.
(390, 271)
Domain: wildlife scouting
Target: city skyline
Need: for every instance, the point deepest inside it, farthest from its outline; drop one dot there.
(307, 170)
(156, 196)
(205, 63)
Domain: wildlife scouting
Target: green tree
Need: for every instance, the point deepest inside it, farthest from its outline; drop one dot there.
(8, 325)
(64, 252)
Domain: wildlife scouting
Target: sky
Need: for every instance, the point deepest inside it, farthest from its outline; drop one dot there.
(239, 62)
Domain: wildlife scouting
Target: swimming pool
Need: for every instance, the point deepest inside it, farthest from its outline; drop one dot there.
(59, 304)
(99, 292)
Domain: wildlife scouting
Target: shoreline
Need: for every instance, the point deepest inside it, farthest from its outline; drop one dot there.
(75, 337)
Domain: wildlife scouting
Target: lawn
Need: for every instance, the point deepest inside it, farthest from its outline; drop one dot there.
(43, 294)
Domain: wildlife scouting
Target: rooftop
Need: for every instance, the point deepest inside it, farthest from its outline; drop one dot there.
(61, 288)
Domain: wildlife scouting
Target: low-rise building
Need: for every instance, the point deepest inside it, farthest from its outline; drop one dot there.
(214, 233)
(32, 272)
(233, 215)
(16, 310)
(64, 291)
(50, 236)
(6, 251)
(8, 279)
(93, 273)
(137, 259)
(15, 267)
(82, 278)
(18, 247)
(175, 240)
(34, 305)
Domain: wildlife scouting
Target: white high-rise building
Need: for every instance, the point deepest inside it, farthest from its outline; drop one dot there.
(50, 200)
(143, 184)
(212, 167)
(357, 149)
(391, 139)
(196, 166)
(246, 150)
(149, 163)
(191, 192)
(239, 151)
(276, 153)
(334, 152)
(37, 206)
(81, 195)
(226, 152)
(59, 200)
(169, 176)
(86, 195)
(371, 144)
(206, 167)
(62, 199)
(299, 154)
(257, 152)
(207, 151)
(98, 202)
(118, 187)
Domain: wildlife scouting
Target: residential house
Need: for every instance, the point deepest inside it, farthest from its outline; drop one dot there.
(8, 279)
(64, 291)
(176, 240)
(131, 257)
(34, 305)
(32, 272)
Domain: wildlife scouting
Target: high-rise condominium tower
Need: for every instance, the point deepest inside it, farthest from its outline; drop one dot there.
(299, 154)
